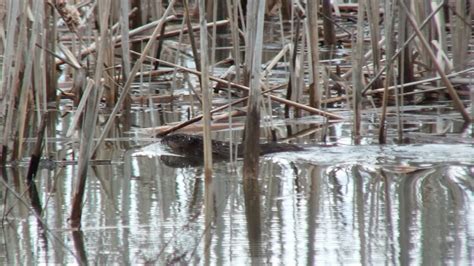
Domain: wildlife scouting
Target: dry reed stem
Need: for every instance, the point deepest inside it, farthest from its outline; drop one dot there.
(299, 82)
(125, 38)
(389, 36)
(402, 47)
(133, 71)
(450, 89)
(213, 4)
(373, 20)
(206, 95)
(8, 54)
(275, 60)
(460, 30)
(245, 88)
(232, 10)
(198, 127)
(11, 84)
(80, 107)
(427, 80)
(111, 91)
(197, 61)
(90, 118)
(116, 40)
(357, 63)
(314, 91)
(348, 73)
(49, 43)
(328, 25)
(26, 90)
(293, 55)
(199, 117)
(255, 22)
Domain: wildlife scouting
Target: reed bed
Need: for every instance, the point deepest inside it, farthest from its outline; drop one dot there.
(96, 51)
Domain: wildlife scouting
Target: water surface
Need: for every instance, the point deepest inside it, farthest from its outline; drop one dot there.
(344, 204)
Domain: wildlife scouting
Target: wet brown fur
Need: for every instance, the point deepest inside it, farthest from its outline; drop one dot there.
(192, 146)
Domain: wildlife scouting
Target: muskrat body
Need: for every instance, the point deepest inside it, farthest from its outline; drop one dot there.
(192, 146)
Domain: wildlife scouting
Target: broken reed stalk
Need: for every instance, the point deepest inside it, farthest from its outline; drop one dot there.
(136, 67)
(246, 89)
(458, 105)
(90, 117)
(251, 142)
(206, 95)
(36, 154)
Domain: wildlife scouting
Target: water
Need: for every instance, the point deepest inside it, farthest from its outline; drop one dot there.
(344, 204)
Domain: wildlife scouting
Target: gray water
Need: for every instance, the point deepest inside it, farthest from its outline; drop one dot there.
(346, 204)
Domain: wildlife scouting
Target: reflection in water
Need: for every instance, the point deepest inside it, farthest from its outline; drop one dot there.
(209, 207)
(313, 212)
(390, 209)
(253, 220)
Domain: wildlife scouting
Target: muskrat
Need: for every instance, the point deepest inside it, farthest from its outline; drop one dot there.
(192, 146)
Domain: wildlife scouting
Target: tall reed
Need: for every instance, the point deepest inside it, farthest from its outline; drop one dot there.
(90, 119)
(254, 41)
(206, 95)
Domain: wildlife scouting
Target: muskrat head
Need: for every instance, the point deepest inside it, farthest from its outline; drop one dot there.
(183, 144)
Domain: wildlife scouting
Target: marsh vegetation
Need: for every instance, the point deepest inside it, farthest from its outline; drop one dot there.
(375, 98)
